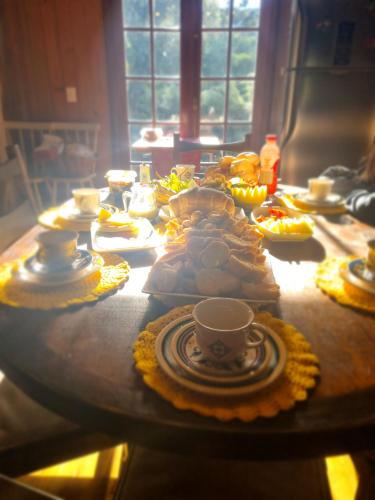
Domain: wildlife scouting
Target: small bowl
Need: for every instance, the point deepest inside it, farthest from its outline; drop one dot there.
(281, 237)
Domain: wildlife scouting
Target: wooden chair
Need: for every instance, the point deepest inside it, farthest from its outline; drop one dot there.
(29, 135)
(32, 184)
(188, 145)
(81, 133)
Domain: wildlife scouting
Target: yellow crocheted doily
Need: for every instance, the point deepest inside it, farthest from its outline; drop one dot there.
(111, 275)
(329, 280)
(299, 375)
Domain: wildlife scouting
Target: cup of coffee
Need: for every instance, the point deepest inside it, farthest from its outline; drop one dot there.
(320, 187)
(87, 200)
(223, 328)
(371, 256)
(184, 172)
(56, 247)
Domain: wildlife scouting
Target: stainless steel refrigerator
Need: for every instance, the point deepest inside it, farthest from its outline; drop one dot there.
(329, 116)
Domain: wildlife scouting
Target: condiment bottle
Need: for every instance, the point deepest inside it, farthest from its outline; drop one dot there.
(269, 163)
(144, 173)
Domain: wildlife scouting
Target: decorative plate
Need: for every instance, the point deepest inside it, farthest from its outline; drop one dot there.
(248, 386)
(357, 273)
(34, 272)
(189, 357)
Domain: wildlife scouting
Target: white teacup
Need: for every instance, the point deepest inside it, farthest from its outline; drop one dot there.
(184, 172)
(223, 327)
(87, 200)
(320, 187)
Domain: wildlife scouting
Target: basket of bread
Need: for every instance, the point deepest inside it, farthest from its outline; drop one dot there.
(211, 252)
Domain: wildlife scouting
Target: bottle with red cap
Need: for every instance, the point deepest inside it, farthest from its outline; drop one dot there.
(269, 163)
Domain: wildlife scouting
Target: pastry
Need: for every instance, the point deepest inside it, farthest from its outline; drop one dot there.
(215, 282)
(215, 254)
(267, 291)
(201, 199)
(245, 269)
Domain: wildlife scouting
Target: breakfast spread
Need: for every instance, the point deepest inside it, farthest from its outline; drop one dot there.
(212, 253)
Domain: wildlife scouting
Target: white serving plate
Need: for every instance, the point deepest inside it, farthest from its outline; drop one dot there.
(280, 237)
(147, 239)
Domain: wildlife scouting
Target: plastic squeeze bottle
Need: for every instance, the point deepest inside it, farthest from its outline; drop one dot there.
(269, 163)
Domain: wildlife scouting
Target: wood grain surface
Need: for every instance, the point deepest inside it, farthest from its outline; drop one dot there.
(79, 362)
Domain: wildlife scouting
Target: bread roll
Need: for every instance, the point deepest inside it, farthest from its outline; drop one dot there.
(202, 199)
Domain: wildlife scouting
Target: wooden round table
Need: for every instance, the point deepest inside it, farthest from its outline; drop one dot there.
(79, 363)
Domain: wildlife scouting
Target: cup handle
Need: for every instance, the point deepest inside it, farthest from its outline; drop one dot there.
(125, 196)
(259, 329)
(174, 170)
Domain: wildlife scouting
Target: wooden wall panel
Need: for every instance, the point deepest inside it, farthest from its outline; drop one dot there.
(49, 45)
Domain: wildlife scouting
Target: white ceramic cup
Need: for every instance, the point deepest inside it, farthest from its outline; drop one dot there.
(86, 200)
(320, 187)
(184, 172)
(222, 328)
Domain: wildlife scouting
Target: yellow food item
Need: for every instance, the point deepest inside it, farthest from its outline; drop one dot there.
(248, 196)
(288, 225)
(104, 214)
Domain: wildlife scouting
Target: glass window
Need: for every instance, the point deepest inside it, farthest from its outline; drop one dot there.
(244, 53)
(139, 100)
(215, 13)
(137, 51)
(214, 53)
(166, 13)
(135, 13)
(167, 54)
(246, 13)
(212, 100)
(167, 101)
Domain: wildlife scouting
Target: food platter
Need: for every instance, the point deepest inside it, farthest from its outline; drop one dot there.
(284, 237)
(181, 298)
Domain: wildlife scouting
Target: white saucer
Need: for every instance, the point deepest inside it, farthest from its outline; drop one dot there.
(332, 200)
(34, 273)
(225, 389)
(69, 211)
(190, 358)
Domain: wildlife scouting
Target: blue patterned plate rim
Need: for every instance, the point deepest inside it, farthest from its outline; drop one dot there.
(255, 384)
(255, 361)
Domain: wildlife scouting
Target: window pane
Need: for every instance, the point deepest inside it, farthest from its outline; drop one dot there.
(167, 54)
(244, 53)
(212, 101)
(237, 132)
(139, 100)
(137, 46)
(241, 94)
(246, 13)
(168, 129)
(214, 54)
(212, 131)
(135, 13)
(167, 13)
(215, 14)
(167, 97)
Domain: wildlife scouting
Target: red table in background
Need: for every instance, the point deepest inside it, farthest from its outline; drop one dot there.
(162, 152)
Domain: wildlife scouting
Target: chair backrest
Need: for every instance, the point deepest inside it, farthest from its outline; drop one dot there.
(186, 145)
(26, 179)
(29, 134)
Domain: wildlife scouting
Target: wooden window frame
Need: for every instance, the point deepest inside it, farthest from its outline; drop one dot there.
(191, 30)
